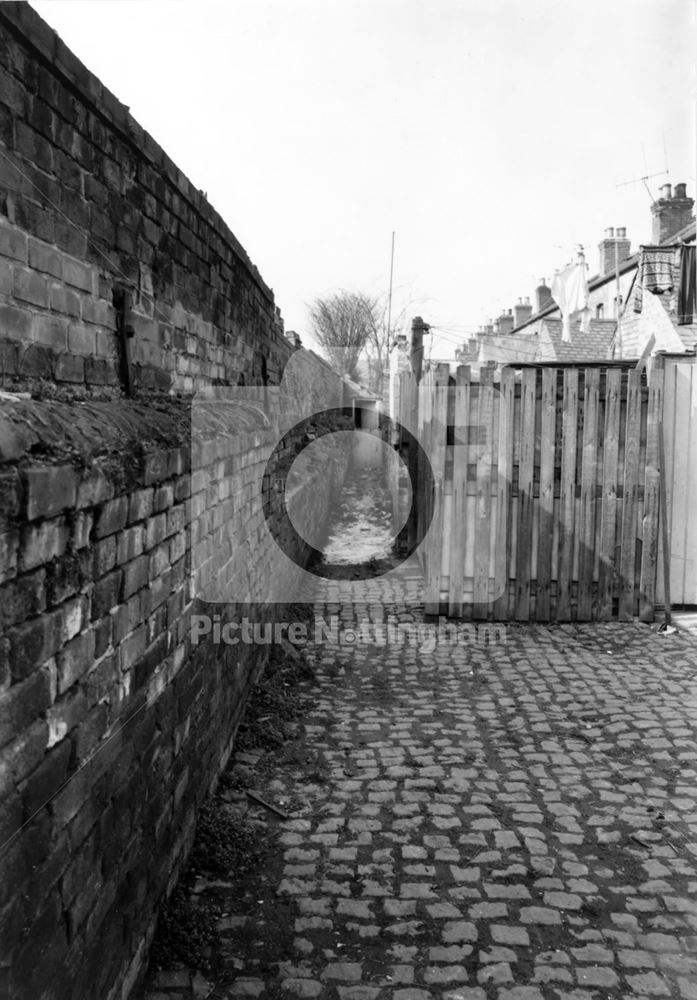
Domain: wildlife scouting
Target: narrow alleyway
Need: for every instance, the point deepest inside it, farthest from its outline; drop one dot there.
(360, 526)
(511, 819)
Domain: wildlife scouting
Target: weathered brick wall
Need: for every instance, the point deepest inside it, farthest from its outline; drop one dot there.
(113, 723)
(89, 204)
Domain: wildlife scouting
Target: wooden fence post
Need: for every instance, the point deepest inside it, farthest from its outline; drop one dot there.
(459, 527)
(607, 573)
(436, 456)
(504, 479)
(627, 601)
(482, 525)
(526, 468)
(545, 526)
(586, 527)
(652, 480)
(567, 493)
(418, 328)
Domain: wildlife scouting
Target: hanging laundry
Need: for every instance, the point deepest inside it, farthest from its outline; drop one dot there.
(687, 287)
(570, 291)
(657, 273)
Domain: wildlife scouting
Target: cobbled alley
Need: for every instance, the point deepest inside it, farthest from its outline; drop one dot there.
(238, 757)
(511, 817)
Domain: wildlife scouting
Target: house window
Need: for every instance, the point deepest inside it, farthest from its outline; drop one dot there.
(599, 310)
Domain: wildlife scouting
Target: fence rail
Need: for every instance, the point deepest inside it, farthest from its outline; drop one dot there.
(545, 496)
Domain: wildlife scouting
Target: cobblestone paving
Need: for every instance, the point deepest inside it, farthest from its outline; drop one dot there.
(514, 820)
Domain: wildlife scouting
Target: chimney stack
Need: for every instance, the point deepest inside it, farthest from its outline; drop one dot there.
(543, 295)
(614, 249)
(671, 213)
(505, 322)
(522, 312)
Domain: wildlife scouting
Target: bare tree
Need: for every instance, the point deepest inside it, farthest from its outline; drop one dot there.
(342, 324)
(386, 323)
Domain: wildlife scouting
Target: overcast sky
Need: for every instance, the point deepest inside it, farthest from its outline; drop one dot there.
(490, 135)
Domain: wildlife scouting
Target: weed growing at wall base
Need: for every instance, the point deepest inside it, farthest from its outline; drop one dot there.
(424, 636)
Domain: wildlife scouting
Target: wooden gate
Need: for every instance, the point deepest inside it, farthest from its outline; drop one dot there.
(545, 497)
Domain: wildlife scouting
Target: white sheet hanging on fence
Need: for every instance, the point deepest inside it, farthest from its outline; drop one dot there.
(570, 291)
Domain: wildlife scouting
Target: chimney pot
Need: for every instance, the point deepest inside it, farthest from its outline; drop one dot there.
(505, 322)
(522, 312)
(614, 249)
(543, 296)
(670, 215)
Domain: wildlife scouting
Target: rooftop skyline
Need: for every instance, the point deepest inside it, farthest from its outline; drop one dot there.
(490, 138)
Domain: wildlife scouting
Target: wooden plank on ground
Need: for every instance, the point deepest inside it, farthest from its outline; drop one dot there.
(437, 448)
(652, 483)
(627, 599)
(567, 498)
(458, 531)
(526, 468)
(545, 533)
(589, 463)
(482, 526)
(608, 500)
(504, 475)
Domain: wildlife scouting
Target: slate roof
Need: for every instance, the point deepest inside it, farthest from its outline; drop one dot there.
(594, 345)
(507, 349)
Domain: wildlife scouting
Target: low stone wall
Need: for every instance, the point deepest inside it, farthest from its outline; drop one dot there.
(114, 722)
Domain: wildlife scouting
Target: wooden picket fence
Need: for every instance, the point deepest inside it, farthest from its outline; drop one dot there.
(544, 502)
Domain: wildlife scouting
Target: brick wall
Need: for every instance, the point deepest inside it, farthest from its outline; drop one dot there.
(113, 723)
(90, 204)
